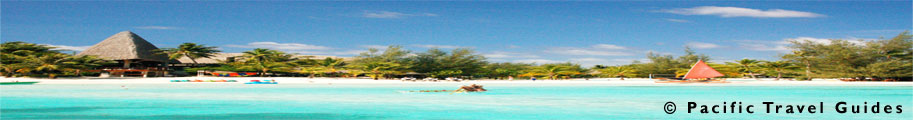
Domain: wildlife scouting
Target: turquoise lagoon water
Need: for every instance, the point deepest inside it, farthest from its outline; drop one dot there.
(385, 101)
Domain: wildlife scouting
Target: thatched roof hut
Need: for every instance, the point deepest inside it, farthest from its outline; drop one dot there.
(125, 46)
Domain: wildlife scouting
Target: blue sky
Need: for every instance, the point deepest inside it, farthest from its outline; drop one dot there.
(588, 33)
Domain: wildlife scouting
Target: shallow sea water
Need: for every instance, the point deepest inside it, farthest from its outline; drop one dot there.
(388, 101)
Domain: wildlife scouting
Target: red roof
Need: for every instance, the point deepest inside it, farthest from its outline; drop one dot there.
(701, 70)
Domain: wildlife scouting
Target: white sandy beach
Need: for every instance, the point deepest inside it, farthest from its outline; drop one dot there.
(592, 81)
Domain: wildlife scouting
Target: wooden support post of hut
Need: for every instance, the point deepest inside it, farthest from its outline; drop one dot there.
(126, 63)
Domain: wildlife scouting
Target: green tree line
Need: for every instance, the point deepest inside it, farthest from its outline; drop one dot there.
(20, 59)
(861, 59)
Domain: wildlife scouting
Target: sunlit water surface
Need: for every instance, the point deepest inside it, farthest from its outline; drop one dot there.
(387, 101)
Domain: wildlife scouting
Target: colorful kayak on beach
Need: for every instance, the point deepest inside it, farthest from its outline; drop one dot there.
(262, 82)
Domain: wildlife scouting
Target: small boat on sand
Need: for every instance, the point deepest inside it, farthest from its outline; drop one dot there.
(17, 83)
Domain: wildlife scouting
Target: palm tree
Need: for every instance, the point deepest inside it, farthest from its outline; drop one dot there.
(501, 72)
(308, 66)
(25, 70)
(331, 64)
(551, 70)
(10, 63)
(50, 63)
(264, 60)
(266, 67)
(9, 70)
(191, 51)
(778, 67)
(311, 70)
(618, 71)
(804, 57)
(354, 73)
(679, 72)
(259, 55)
(25, 49)
(79, 63)
(16, 65)
(569, 73)
(727, 70)
(446, 73)
(746, 65)
(378, 69)
(21, 57)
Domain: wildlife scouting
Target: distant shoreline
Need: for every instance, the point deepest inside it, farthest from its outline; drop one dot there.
(592, 81)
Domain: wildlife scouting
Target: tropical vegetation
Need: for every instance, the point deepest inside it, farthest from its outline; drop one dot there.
(21, 59)
(191, 51)
(880, 59)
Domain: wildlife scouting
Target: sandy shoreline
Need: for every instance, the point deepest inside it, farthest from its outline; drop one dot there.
(594, 81)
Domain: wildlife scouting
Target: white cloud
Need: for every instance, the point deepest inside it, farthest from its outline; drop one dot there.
(809, 39)
(779, 46)
(853, 40)
(156, 27)
(280, 46)
(499, 54)
(782, 45)
(537, 61)
(742, 12)
(379, 47)
(578, 51)
(348, 52)
(66, 47)
(608, 46)
(331, 53)
(700, 45)
(659, 53)
(588, 60)
(677, 20)
(495, 55)
(600, 61)
(630, 60)
(389, 14)
(428, 14)
(594, 50)
(763, 47)
(436, 46)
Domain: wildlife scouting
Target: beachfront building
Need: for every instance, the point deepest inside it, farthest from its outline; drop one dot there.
(137, 57)
(134, 55)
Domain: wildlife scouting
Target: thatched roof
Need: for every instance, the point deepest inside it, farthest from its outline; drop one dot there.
(124, 45)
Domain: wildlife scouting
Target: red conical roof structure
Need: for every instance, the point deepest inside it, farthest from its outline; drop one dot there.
(701, 70)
